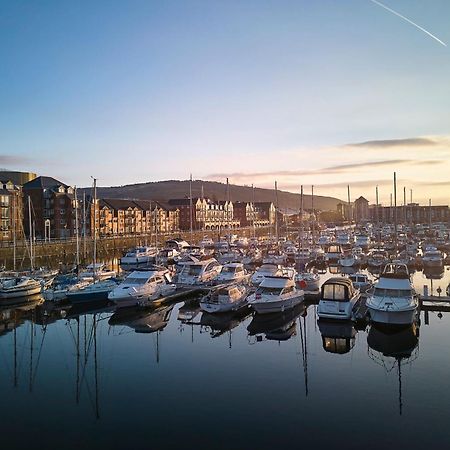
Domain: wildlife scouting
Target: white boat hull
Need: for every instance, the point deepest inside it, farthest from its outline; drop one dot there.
(16, 293)
(405, 317)
(267, 307)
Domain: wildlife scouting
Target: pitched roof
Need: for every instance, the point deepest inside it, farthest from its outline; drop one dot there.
(117, 203)
(43, 183)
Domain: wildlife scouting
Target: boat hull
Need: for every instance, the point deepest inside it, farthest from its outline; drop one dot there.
(266, 307)
(406, 317)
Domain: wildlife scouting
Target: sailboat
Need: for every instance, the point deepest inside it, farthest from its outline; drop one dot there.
(101, 286)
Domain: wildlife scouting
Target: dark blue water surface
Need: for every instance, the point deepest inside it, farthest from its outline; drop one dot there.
(77, 379)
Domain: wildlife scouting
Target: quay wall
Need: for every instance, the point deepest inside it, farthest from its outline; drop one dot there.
(58, 253)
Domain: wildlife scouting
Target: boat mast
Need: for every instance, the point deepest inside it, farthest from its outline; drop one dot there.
(276, 211)
(94, 253)
(395, 211)
(301, 218)
(190, 207)
(76, 229)
(313, 216)
(31, 233)
(349, 217)
(14, 212)
(253, 211)
(378, 212)
(84, 225)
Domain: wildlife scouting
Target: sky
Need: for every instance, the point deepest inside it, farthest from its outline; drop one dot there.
(329, 93)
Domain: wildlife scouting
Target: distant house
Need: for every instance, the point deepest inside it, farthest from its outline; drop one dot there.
(361, 210)
(52, 205)
(11, 211)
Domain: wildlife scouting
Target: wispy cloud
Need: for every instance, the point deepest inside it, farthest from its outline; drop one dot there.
(395, 143)
(342, 168)
(6, 160)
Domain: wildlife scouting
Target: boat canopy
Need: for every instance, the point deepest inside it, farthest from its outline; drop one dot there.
(338, 289)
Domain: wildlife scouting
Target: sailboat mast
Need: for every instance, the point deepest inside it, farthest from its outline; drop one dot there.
(190, 208)
(14, 212)
(84, 225)
(349, 217)
(253, 211)
(313, 216)
(395, 210)
(301, 217)
(94, 254)
(31, 233)
(276, 211)
(76, 228)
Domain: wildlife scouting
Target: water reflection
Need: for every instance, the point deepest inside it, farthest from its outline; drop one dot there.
(143, 321)
(218, 324)
(393, 348)
(276, 326)
(338, 336)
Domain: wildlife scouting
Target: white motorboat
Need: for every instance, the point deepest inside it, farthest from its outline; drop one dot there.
(361, 281)
(348, 260)
(273, 257)
(266, 270)
(19, 287)
(232, 272)
(338, 299)
(275, 294)
(96, 272)
(197, 272)
(432, 258)
(142, 287)
(92, 291)
(61, 287)
(393, 301)
(334, 253)
(377, 259)
(308, 281)
(229, 298)
(168, 256)
(139, 255)
(303, 256)
(362, 241)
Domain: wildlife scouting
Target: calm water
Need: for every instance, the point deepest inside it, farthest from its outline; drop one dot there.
(92, 381)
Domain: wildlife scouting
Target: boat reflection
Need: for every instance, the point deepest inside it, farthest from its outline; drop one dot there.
(434, 273)
(392, 348)
(142, 321)
(189, 311)
(219, 324)
(276, 326)
(337, 337)
(13, 316)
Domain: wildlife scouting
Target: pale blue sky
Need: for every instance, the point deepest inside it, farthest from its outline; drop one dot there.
(140, 91)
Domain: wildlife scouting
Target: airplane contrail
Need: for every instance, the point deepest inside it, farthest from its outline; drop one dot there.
(409, 21)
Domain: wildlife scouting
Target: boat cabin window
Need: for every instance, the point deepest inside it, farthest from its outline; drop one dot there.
(395, 293)
(269, 290)
(135, 280)
(334, 292)
(194, 269)
(288, 290)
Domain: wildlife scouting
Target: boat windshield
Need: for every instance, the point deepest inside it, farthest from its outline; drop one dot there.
(227, 269)
(194, 270)
(135, 280)
(396, 293)
(268, 291)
